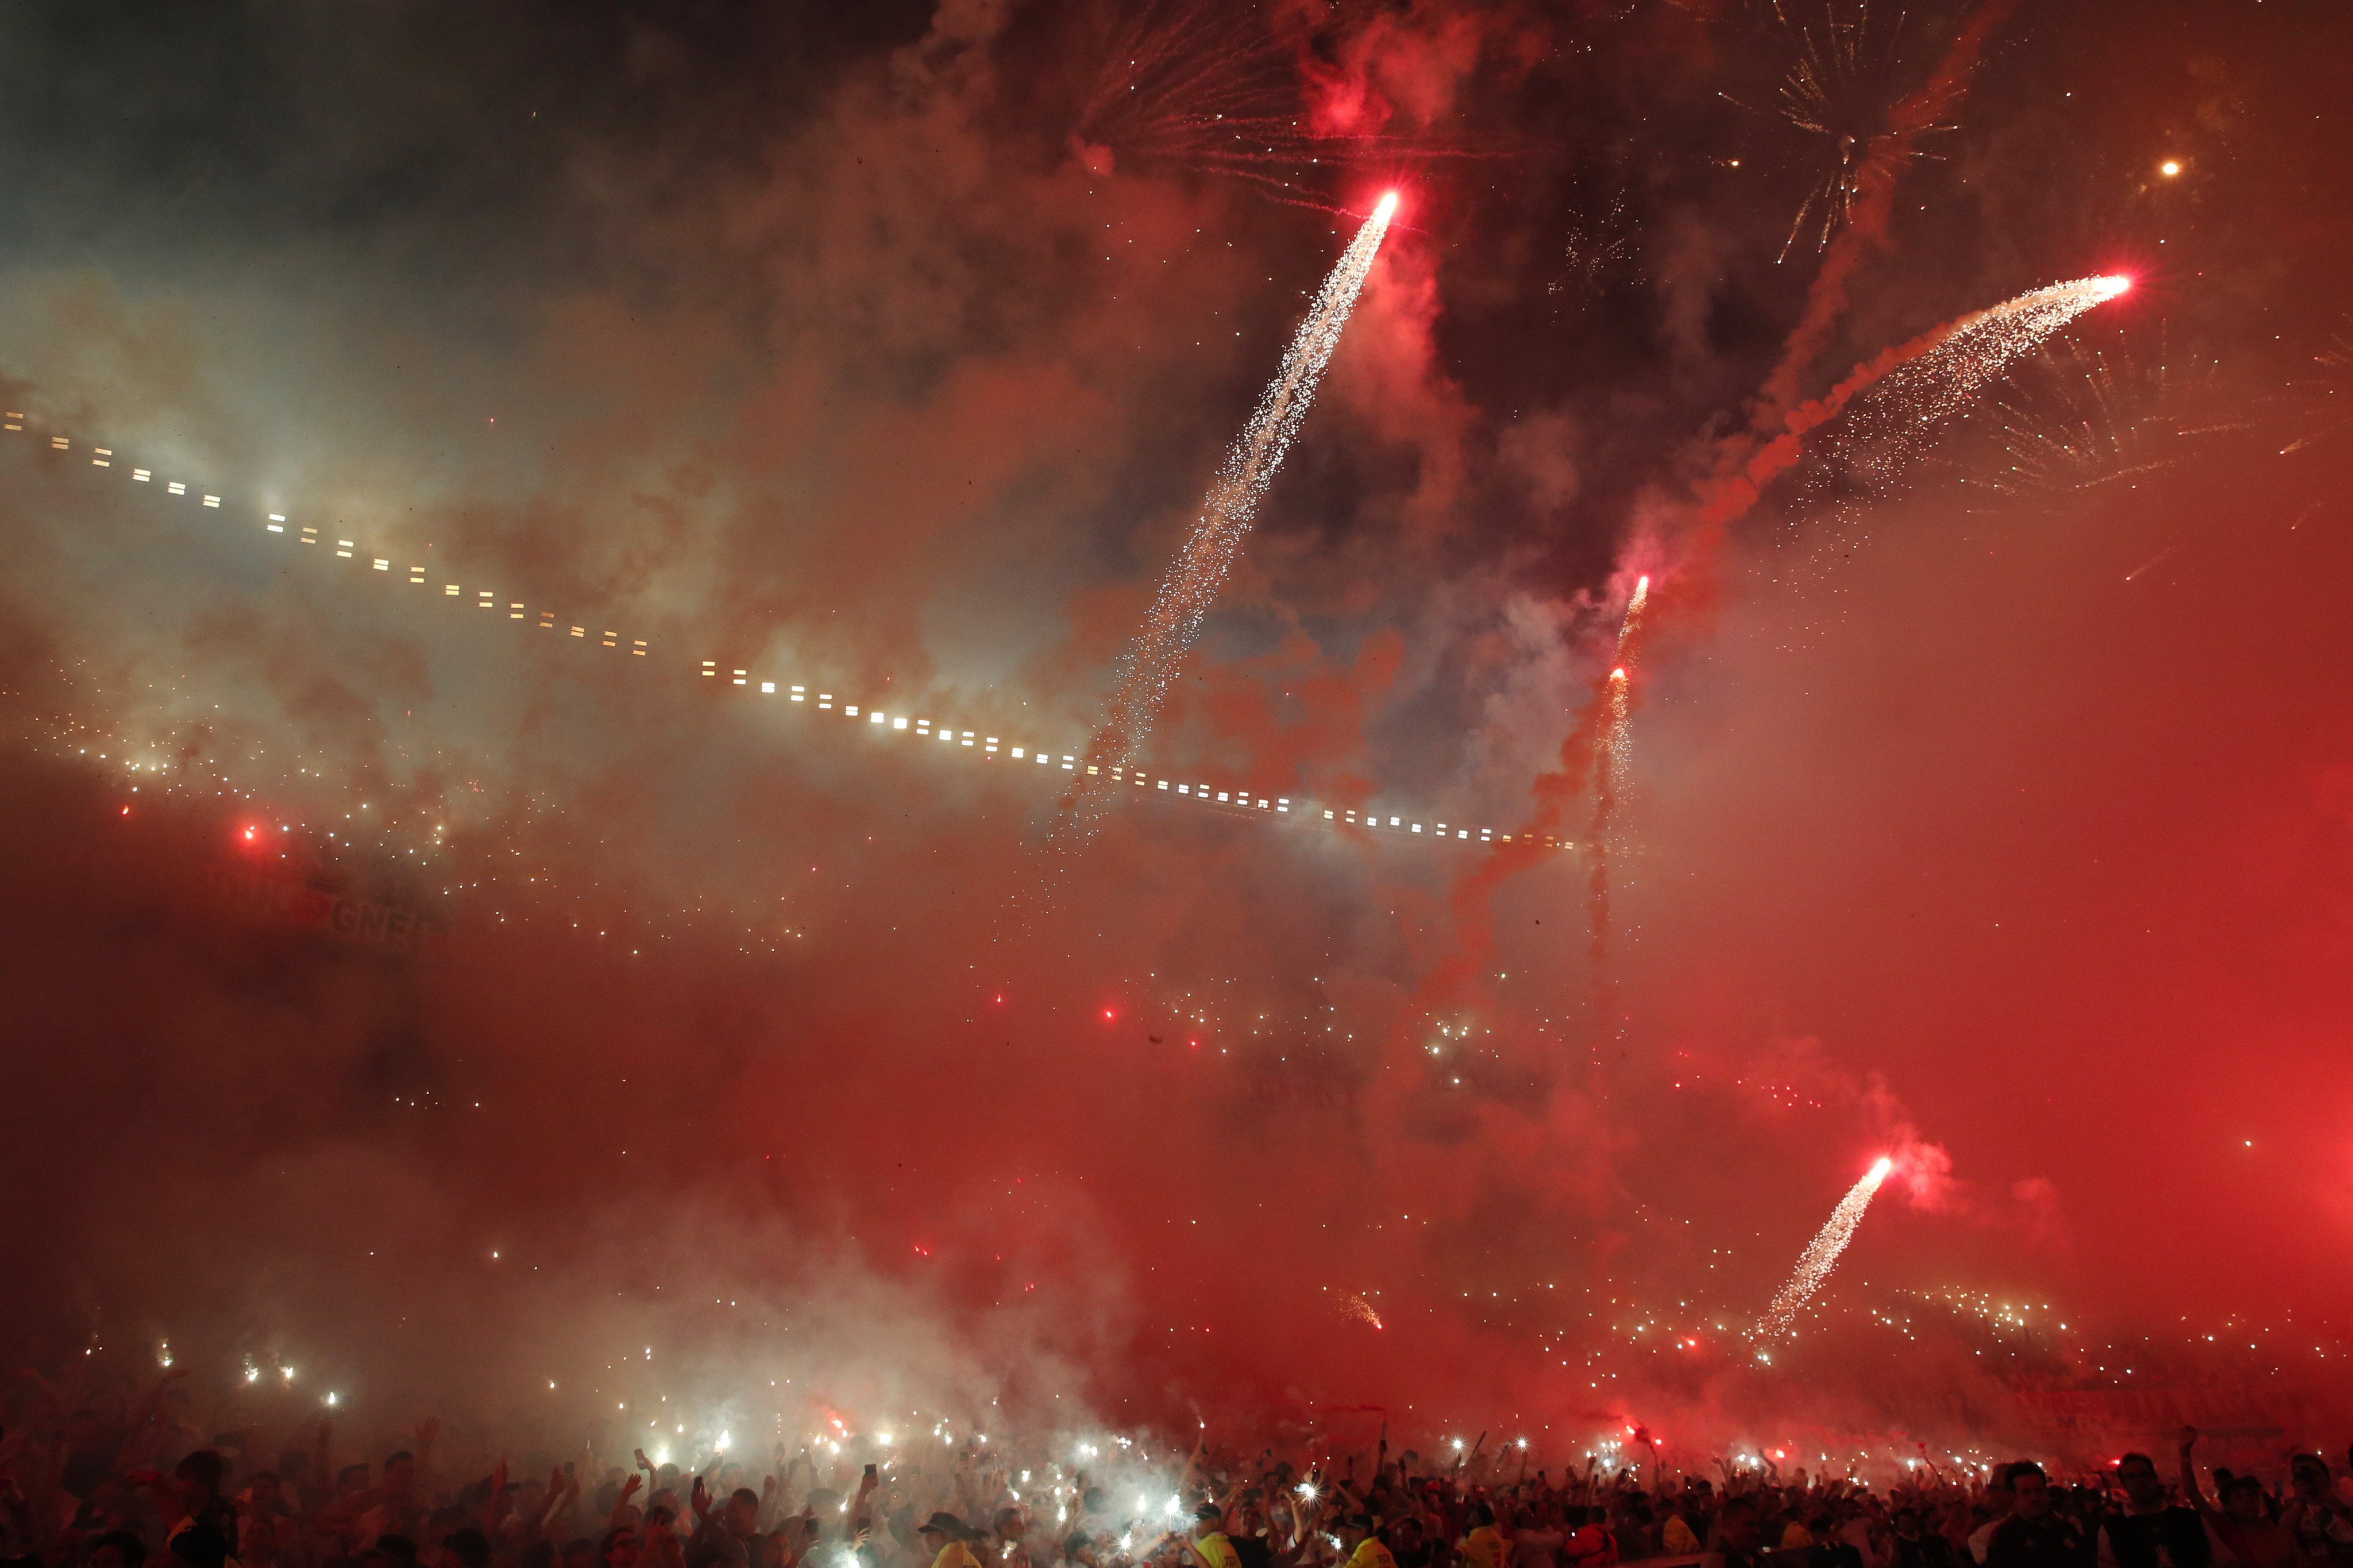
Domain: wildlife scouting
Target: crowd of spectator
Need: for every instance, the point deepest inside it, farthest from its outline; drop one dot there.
(96, 1484)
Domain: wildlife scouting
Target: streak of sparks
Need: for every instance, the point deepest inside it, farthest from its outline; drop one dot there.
(1191, 586)
(1821, 1254)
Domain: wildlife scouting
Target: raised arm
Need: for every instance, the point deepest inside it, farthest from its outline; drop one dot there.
(2190, 1487)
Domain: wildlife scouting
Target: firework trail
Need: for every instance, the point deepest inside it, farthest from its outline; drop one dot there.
(1821, 1254)
(1613, 773)
(1200, 569)
(1918, 384)
(1619, 739)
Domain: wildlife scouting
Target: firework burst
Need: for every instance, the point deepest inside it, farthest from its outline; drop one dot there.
(1603, 244)
(2071, 418)
(1214, 89)
(1843, 82)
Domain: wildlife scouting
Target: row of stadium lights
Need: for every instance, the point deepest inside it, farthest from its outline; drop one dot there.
(984, 746)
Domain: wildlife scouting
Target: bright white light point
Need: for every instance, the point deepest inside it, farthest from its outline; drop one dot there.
(1882, 1166)
(1642, 584)
(1388, 205)
(2168, 168)
(1618, 674)
(2110, 287)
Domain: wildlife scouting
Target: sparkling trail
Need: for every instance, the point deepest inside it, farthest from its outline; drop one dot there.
(1191, 586)
(1821, 1254)
(1927, 379)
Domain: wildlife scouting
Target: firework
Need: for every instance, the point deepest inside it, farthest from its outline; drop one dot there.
(1821, 1254)
(1192, 581)
(1361, 1311)
(1840, 92)
(1601, 245)
(1914, 387)
(1618, 740)
(2071, 419)
(1865, 216)
(1889, 427)
(1214, 89)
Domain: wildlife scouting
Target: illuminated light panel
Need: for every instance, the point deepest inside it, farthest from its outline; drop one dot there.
(212, 500)
(103, 458)
(175, 488)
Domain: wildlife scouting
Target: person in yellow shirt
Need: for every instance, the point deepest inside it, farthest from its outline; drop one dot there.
(943, 1534)
(1363, 1548)
(1485, 1547)
(1208, 1545)
(1678, 1537)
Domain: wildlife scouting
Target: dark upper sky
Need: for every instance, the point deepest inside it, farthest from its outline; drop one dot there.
(1988, 791)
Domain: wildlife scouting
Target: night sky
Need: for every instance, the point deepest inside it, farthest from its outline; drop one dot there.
(1987, 801)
